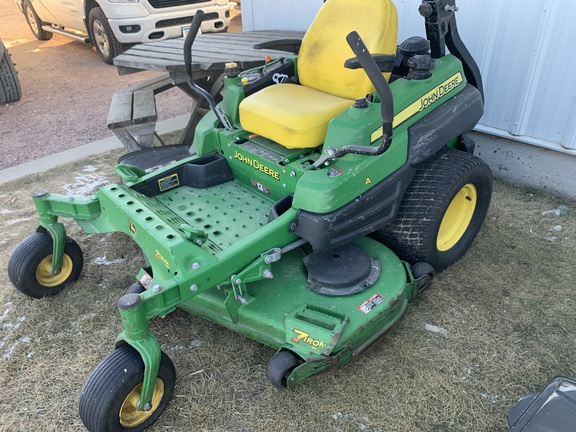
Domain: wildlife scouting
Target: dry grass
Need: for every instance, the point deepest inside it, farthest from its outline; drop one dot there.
(508, 307)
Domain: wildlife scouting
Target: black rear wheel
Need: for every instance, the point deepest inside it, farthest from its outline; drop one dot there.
(102, 36)
(34, 22)
(10, 89)
(442, 210)
(111, 393)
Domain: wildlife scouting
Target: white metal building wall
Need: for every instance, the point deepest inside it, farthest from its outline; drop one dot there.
(526, 51)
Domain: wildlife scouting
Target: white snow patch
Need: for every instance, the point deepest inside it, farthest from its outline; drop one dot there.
(104, 260)
(349, 416)
(10, 328)
(194, 343)
(557, 212)
(5, 314)
(8, 353)
(556, 228)
(15, 221)
(436, 329)
(5, 211)
(87, 182)
(489, 397)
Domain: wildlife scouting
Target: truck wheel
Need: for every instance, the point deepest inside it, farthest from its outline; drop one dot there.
(10, 89)
(102, 36)
(109, 397)
(29, 266)
(34, 22)
(442, 210)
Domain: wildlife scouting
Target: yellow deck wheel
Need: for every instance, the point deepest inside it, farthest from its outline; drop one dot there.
(47, 279)
(129, 416)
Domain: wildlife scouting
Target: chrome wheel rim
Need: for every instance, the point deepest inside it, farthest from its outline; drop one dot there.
(100, 38)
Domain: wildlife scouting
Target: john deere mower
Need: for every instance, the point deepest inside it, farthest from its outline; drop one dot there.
(326, 189)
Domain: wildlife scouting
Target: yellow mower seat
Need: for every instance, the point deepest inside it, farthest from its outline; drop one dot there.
(297, 116)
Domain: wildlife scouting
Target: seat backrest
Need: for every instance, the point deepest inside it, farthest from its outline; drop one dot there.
(324, 48)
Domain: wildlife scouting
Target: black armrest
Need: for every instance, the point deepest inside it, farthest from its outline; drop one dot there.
(289, 45)
(384, 61)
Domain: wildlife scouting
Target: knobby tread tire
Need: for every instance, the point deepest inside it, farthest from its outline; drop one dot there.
(413, 234)
(10, 90)
(115, 46)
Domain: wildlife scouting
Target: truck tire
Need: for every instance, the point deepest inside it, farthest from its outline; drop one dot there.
(34, 22)
(102, 36)
(10, 89)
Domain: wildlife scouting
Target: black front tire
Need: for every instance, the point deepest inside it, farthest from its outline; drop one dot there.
(109, 396)
(30, 263)
(102, 36)
(442, 210)
(10, 89)
(34, 22)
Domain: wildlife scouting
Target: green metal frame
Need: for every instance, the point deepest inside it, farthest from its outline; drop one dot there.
(222, 281)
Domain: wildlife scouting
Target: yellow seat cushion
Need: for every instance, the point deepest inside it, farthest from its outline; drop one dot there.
(292, 115)
(298, 116)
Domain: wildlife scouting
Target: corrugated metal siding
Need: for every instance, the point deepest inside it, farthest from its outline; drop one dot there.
(278, 15)
(526, 51)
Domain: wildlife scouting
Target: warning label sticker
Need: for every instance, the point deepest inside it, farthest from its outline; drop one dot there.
(371, 303)
(169, 182)
(261, 187)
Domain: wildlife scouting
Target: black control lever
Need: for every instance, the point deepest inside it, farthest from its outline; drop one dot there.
(194, 27)
(369, 65)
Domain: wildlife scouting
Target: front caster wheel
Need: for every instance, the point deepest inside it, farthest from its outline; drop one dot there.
(30, 263)
(279, 368)
(111, 393)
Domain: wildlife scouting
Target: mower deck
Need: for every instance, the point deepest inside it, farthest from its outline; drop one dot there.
(285, 313)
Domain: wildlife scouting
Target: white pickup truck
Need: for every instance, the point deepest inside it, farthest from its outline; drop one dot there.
(114, 25)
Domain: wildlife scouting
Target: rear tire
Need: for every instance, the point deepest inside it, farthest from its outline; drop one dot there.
(442, 210)
(102, 36)
(10, 89)
(34, 22)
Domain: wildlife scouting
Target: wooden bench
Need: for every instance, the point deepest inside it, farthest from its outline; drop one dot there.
(133, 115)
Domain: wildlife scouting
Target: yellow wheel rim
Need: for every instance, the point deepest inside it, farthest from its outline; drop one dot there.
(47, 279)
(129, 416)
(457, 218)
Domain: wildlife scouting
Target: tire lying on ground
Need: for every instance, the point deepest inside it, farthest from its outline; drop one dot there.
(10, 90)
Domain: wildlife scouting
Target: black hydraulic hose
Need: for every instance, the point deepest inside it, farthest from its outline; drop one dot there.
(386, 105)
(194, 27)
(386, 99)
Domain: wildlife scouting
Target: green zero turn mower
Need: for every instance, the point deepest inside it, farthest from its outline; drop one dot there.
(326, 189)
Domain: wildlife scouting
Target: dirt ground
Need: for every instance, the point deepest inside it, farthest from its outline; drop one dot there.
(495, 326)
(66, 93)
